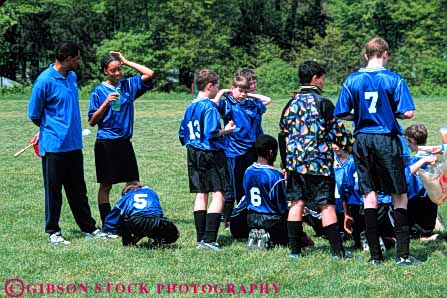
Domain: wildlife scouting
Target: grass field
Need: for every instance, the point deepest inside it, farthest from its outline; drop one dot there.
(102, 268)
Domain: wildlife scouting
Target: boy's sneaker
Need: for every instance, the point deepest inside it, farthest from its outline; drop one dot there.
(344, 254)
(409, 261)
(112, 236)
(96, 234)
(263, 239)
(209, 246)
(56, 239)
(294, 256)
(375, 262)
(252, 242)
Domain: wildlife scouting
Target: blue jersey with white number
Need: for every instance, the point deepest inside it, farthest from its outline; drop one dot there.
(375, 96)
(265, 190)
(247, 116)
(117, 124)
(200, 126)
(140, 202)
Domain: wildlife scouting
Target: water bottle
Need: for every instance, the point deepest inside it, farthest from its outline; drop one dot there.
(116, 105)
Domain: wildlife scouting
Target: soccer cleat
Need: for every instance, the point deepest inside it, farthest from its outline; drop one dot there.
(344, 254)
(95, 235)
(263, 239)
(56, 239)
(375, 262)
(214, 246)
(252, 242)
(409, 261)
(363, 241)
(294, 256)
(112, 236)
(382, 245)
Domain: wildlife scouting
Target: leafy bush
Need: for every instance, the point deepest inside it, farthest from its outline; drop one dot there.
(277, 77)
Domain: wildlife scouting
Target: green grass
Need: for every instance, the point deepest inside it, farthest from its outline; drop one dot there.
(26, 254)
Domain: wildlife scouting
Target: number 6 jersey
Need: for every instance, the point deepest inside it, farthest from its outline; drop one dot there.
(265, 190)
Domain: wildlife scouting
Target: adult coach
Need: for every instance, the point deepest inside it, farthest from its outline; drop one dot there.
(54, 107)
(373, 98)
(112, 108)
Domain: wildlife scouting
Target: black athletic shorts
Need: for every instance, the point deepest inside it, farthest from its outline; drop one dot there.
(316, 189)
(380, 164)
(207, 171)
(161, 229)
(115, 161)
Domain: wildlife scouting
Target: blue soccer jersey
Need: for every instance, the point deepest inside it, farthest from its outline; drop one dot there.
(265, 190)
(415, 186)
(339, 171)
(201, 125)
(117, 124)
(54, 102)
(376, 96)
(140, 202)
(247, 116)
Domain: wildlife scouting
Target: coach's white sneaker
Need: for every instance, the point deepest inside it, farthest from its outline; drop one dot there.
(95, 235)
(56, 239)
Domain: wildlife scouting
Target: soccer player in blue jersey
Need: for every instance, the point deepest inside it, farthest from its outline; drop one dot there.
(200, 131)
(54, 107)
(138, 214)
(374, 98)
(308, 129)
(266, 197)
(245, 108)
(422, 211)
(112, 109)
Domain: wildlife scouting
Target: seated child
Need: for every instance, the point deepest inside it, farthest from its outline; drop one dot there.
(422, 211)
(138, 214)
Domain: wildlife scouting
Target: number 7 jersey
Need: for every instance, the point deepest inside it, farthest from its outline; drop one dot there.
(376, 96)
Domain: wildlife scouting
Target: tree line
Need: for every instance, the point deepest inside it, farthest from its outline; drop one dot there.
(176, 37)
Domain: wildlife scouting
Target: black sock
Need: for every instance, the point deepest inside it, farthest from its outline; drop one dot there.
(372, 234)
(200, 223)
(295, 233)
(212, 227)
(333, 236)
(104, 209)
(402, 233)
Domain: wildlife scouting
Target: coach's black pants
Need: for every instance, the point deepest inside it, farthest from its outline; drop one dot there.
(66, 169)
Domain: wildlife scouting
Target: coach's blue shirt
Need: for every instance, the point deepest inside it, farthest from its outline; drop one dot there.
(265, 190)
(247, 116)
(201, 125)
(376, 96)
(117, 124)
(54, 102)
(140, 202)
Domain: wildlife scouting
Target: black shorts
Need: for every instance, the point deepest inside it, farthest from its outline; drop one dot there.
(207, 171)
(133, 228)
(315, 189)
(115, 161)
(380, 163)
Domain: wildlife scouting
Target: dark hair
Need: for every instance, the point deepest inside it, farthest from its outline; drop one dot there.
(264, 144)
(376, 47)
(204, 77)
(248, 73)
(130, 186)
(66, 49)
(308, 69)
(418, 132)
(105, 61)
(241, 82)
